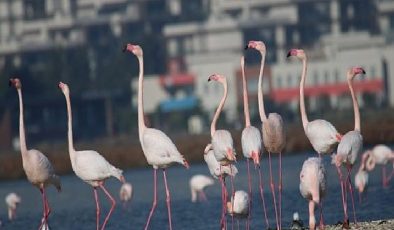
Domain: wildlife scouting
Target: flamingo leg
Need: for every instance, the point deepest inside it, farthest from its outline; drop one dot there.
(262, 197)
(203, 196)
(97, 208)
(273, 190)
(351, 192)
(154, 204)
(112, 205)
(250, 194)
(321, 215)
(343, 194)
(232, 196)
(44, 219)
(280, 191)
(390, 176)
(168, 199)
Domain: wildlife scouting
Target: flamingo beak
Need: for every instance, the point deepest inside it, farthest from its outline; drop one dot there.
(230, 155)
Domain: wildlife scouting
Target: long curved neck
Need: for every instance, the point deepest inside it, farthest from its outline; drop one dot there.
(304, 117)
(141, 122)
(219, 109)
(263, 116)
(355, 107)
(245, 95)
(69, 125)
(22, 135)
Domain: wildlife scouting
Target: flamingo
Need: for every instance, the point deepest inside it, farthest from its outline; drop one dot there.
(12, 200)
(381, 154)
(126, 192)
(313, 185)
(251, 144)
(321, 133)
(159, 150)
(219, 171)
(238, 206)
(349, 146)
(361, 180)
(89, 165)
(38, 168)
(274, 137)
(197, 185)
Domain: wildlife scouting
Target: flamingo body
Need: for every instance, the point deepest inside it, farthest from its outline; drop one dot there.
(322, 135)
(239, 205)
(215, 168)
(126, 192)
(382, 154)
(197, 185)
(12, 200)
(273, 133)
(222, 143)
(349, 148)
(251, 141)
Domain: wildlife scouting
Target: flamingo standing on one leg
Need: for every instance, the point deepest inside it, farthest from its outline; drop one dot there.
(12, 200)
(361, 177)
(89, 165)
(349, 147)
(313, 187)
(219, 171)
(251, 145)
(197, 185)
(125, 193)
(159, 150)
(38, 168)
(274, 137)
(381, 154)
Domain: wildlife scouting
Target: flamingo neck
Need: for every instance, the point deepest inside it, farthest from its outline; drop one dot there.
(219, 109)
(22, 135)
(141, 122)
(304, 116)
(263, 116)
(357, 126)
(69, 125)
(245, 97)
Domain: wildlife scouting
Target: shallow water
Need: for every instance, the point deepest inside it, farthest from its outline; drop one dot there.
(74, 207)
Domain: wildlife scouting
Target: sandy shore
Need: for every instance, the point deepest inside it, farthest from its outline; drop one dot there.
(379, 224)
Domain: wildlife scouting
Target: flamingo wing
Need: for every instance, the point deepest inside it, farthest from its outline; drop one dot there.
(221, 143)
(251, 141)
(38, 168)
(91, 166)
(322, 135)
(350, 146)
(274, 133)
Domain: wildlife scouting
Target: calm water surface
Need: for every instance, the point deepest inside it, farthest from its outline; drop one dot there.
(74, 207)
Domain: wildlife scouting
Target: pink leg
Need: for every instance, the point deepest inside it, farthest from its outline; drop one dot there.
(384, 179)
(112, 205)
(168, 199)
(154, 198)
(97, 208)
(343, 194)
(273, 190)
(250, 194)
(390, 177)
(203, 196)
(321, 215)
(262, 197)
(44, 219)
(351, 192)
(232, 196)
(222, 218)
(280, 191)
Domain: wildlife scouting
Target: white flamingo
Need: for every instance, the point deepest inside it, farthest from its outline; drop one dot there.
(321, 133)
(313, 185)
(38, 168)
(251, 144)
(274, 137)
(350, 146)
(89, 165)
(197, 185)
(238, 206)
(361, 177)
(12, 200)
(126, 192)
(218, 171)
(381, 154)
(159, 150)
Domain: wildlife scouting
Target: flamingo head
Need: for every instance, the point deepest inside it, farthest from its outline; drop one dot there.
(15, 82)
(64, 88)
(135, 49)
(217, 77)
(300, 53)
(258, 45)
(352, 72)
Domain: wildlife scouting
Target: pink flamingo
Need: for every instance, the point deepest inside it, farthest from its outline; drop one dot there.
(159, 150)
(274, 137)
(38, 168)
(12, 200)
(381, 154)
(197, 185)
(89, 165)
(313, 187)
(251, 145)
(321, 133)
(126, 193)
(361, 177)
(239, 206)
(349, 147)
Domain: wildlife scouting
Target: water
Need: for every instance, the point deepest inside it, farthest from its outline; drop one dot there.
(74, 207)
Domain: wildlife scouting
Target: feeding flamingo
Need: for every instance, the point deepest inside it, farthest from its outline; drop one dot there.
(274, 137)
(251, 144)
(239, 205)
(125, 193)
(159, 150)
(321, 133)
(381, 154)
(89, 165)
(361, 177)
(12, 200)
(197, 185)
(349, 147)
(38, 168)
(313, 187)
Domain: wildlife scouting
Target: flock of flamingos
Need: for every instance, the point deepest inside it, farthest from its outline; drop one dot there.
(160, 152)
